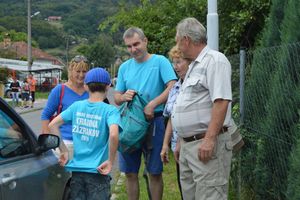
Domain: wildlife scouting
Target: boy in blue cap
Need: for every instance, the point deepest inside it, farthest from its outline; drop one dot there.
(95, 129)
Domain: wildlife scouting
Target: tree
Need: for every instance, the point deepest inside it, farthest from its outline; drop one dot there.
(273, 92)
(240, 21)
(101, 53)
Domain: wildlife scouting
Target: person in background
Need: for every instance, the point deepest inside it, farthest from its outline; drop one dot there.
(15, 90)
(202, 115)
(25, 93)
(73, 91)
(95, 130)
(32, 83)
(152, 76)
(181, 66)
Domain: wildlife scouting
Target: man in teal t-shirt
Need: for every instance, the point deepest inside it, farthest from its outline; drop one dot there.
(152, 76)
(95, 129)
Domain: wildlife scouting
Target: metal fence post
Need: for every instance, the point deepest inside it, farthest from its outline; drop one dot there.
(242, 84)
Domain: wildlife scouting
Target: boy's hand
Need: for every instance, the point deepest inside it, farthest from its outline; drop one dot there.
(63, 159)
(105, 167)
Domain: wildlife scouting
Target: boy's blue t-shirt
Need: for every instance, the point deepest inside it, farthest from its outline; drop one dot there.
(148, 78)
(90, 129)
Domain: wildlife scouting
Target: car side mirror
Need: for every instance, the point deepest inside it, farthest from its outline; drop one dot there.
(47, 142)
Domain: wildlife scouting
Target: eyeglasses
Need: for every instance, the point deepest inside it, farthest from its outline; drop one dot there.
(79, 58)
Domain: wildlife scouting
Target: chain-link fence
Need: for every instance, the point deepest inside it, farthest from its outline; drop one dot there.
(267, 167)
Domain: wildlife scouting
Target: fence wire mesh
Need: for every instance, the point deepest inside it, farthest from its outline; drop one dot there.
(267, 167)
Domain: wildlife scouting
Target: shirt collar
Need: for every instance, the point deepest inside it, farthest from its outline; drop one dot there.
(199, 58)
(202, 54)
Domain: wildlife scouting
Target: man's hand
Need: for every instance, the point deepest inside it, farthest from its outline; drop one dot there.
(149, 110)
(128, 95)
(206, 149)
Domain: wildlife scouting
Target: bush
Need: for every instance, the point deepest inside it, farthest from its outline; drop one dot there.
(3, 75)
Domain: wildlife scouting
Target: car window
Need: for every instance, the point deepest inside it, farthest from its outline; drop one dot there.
(12, 142)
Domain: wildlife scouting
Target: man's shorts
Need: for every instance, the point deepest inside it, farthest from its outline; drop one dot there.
(131, 162)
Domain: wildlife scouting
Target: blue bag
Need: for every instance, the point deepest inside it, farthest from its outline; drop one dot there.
(134, 125)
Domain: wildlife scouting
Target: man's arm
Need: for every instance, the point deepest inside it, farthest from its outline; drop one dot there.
(219, 111)
(162, 98)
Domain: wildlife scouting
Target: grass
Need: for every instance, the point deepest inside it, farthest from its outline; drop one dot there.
(171, 190)
(42, 95)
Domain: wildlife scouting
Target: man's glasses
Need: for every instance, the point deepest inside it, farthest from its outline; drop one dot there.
(79, 58)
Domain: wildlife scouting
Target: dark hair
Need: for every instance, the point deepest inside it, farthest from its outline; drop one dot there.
(97, 87)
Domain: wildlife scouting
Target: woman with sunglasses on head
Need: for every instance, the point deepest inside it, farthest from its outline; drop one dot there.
(63, 95)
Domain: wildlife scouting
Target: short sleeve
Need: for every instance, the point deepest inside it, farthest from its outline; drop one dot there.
(166, 70)
(219, 78)
(114, 117)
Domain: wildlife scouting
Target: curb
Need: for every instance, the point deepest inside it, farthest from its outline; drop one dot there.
(28, 111)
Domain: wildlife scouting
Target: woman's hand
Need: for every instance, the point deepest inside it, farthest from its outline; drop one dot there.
(164, 154)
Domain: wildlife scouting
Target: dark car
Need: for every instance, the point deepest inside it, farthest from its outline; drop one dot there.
(29, 169)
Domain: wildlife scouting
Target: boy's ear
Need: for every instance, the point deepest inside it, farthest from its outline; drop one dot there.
(107, 87)
(86, 87)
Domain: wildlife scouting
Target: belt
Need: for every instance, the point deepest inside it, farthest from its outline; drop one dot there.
(199, 136)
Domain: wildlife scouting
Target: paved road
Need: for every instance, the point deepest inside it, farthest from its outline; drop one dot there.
(33, 118)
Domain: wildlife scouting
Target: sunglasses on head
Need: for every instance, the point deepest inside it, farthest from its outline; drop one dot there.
(79, 58)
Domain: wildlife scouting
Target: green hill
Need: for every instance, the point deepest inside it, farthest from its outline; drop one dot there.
(79, 20)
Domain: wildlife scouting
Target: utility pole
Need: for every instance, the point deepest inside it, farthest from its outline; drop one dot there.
(29, 48)
(213, 25)
(67, 51)
(29, 36)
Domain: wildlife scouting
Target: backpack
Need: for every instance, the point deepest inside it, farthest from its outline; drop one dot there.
(134, 125)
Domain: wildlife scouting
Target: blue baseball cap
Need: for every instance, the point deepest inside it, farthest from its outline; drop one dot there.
(97, 75)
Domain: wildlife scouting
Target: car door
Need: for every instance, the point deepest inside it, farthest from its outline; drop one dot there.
(24, 174)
